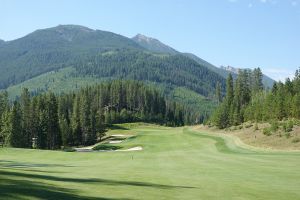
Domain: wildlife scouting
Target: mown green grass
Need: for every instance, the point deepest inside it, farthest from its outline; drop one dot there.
(176, 163)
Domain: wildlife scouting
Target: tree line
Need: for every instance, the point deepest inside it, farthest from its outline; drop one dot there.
(246, 100)
(49, 121)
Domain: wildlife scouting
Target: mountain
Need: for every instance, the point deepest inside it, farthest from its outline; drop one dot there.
(2, 42)
(100, 54)
(153, 44)
(208, 65)
(156, 46)
(68, 57)
(53, 48)
(267, 81)
(224, 71)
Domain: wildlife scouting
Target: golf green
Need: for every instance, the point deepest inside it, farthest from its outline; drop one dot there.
(175, 163)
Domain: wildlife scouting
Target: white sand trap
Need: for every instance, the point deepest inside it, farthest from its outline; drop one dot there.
(139, 148)
(119, 135)
(115, 142)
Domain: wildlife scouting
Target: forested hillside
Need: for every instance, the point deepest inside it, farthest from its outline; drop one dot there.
(247, 101)
(99, 52)
(80, 118)
(67, 57)
(171, 70)
(156, 46)
(53, 48)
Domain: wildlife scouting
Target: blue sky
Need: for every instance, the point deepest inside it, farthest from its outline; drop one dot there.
(240, 33)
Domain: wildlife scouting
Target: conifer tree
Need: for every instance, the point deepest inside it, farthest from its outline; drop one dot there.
(15, 138)
(26, 117)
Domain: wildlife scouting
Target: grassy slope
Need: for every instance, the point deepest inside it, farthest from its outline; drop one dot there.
(176, 163)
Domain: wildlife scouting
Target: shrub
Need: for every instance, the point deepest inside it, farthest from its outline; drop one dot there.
(296, 140)
(256, 127)
(240, 127)
(68, 149)
(274, 126)
(288, 126)
(287, 135)
(267, 131)
(248, 125)
(106, 147)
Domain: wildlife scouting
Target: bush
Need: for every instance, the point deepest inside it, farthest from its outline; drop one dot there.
(233, 128)
(106, 147)
(240, 127)
(287, 135)
(296, 140)
(256, 127)
(274, 126)
(68, 149)
(248, 125)
(288, 126)
(267, 131)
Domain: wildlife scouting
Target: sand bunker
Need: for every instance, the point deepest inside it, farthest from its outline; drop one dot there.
(139, 148)
(115, 142)
(119, 135)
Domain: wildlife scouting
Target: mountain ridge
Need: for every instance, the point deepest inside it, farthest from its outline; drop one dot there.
(153, 44)
(48, 49)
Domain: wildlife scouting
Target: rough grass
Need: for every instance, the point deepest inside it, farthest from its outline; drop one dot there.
(176, 163)
(262, 135)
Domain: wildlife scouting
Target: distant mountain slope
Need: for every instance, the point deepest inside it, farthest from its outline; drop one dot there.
(211, 67)
(53, 48)
(267, 81)
(156, 46)
(103, 55)
(153, 44)
(176, 70)
(2, 42)
(224, 71)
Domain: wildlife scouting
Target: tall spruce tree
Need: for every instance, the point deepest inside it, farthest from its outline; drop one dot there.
(15, 138)
(26, 117)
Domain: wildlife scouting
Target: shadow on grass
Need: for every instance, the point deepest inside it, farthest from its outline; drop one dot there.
(89, 180)
(25, 182)
(106, 147)
(18, 189)
(14, 164)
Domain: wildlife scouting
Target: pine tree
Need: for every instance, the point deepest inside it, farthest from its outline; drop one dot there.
(218, 92)
(75, 122)
(5, 127)
(257, 84)
(53, 135)
(85, 120)
(26, 117)
(15, 138)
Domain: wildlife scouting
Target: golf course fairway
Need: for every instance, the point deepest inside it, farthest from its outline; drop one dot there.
(174, 163)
